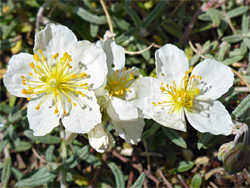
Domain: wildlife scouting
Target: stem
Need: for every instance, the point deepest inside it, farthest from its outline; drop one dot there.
(63, 155)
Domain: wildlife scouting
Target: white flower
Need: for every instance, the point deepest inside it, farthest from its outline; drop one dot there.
(57, 80)
(175, 94)
(125, 118)
(100, 139)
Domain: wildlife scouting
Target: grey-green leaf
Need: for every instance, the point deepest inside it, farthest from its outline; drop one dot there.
(125, 36)
(139, 182)
(47, 139)
(230, 61)
(37, 180)
(20, 146)
(237, 11)
(206, 140)
(94, 28)
(150, 131)
(6, 170)
(232, 38)
(245, 23)
(89, 17)
(49, 153)
(196, 181)
(215, 16)
(16, 173)
(185, 166)
(171, 27)
(119, 177)
(73, 161)
(142, 46)
(242, 107)
(175, 137)
(247, 42)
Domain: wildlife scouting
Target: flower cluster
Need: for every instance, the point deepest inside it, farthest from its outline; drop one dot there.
(78, 83)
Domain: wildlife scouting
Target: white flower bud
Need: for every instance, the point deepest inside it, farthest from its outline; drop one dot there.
(100, 139)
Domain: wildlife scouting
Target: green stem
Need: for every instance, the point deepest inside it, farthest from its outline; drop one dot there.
(63, 155)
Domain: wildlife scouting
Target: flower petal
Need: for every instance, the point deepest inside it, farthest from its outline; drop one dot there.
(84, 116)
(210, 116)
(115, 54)
(88, 58)
(217, 78)
(119, 109)
(18, 66)
(38, 119)
(54, 39)
(130, 131)
(171, 64)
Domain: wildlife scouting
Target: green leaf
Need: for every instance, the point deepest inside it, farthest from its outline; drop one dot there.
(242, 107)
(20, 146)
(196, 181)
(155, 13)
(151, 131)
(89, 17)
(47, 139)
(118, 22)
(185, 166)
(215, 16)
(119, 177)
(206, 140)
(7, 44)
(132, 14)
(139, 182)
(171, 27)
(6, 170)
(37, 180)
(7, 30)
(230, 61)
(204, 17)
(4, 142)
(49, 153)
(16, 173)
(142, 46)
(175, 137)
(94, 28)
(73, 161)
(232, 38)
(222, 51)
(92, 159)
(125, 36)
(245, 23)
(237, 11)
(247, 42)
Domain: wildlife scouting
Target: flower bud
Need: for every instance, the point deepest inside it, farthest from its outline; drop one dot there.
(100, 139)
(236, 158)
(224, 149)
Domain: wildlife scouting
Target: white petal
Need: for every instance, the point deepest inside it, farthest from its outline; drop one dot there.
(130, 131)
(18, 65)
(44, 120)
(119, 109)
(171, 64)
(54, 39)
(83, 118)
(147, 91)
(210, 116)
(88, 58)
(115, 54)
(217, 78)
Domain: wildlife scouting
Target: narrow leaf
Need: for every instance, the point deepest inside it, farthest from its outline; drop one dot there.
(230, 61)
(125, 36)
(247, 42)
(171, 27)
(119, 177)
(73, 161)
(206, 140)
(215, 16)
(94, 28)
(237, 11)
(151, 131)
(49, 153)
(175, 137)
(47, 139)
(6, 170)
(196, 181)
(16, 173)
(142, 46)
(242, 107)
(185, 166)
(20, 146)
(132, 13)
(155, 13)
(232, 38)
(89, 17)
(245, 23)
(139, 182)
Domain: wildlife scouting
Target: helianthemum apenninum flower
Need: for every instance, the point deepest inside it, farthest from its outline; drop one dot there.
(125, 117)
(176, 93)
(57, 80)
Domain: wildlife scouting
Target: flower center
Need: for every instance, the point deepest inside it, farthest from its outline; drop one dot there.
(118, 83)
(55, 78)
(182, 95)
